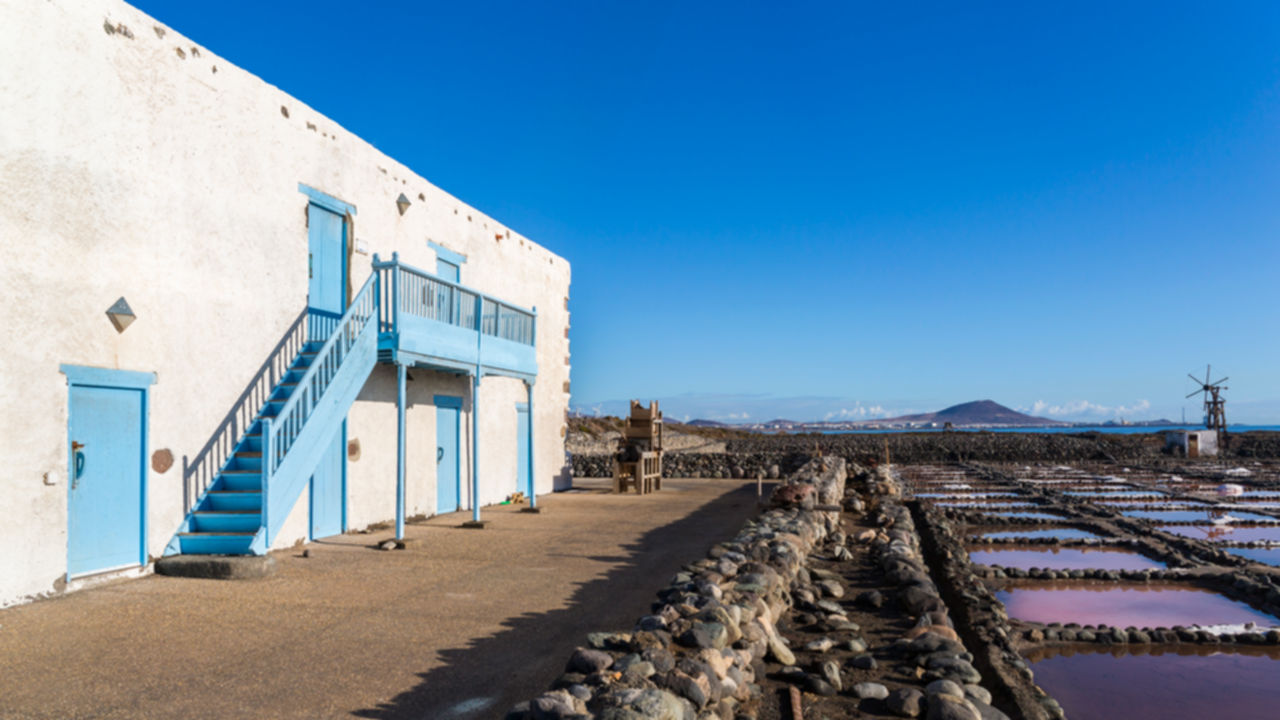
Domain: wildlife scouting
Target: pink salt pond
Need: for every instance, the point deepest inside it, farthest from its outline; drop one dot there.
(1266, 556)
(1058, 533)
(1189, 515)
(1123, 605)
(994, 504)
(1055, 558)
(1019, 515)
(1227, 533)
(1145, 683)
(966, 495)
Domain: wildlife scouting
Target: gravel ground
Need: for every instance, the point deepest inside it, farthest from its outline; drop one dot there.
(462, 624)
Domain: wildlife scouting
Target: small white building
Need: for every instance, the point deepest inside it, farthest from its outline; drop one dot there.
(234, 326)
(1192, 443)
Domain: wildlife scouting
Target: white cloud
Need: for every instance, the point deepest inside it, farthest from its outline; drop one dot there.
(1084, 408)
(857, 412)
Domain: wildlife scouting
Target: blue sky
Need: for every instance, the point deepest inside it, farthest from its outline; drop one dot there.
(825, 210)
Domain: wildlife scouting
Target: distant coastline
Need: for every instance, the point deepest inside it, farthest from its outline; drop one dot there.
(1135, 429)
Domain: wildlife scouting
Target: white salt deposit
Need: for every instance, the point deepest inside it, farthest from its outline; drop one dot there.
(1234, 628)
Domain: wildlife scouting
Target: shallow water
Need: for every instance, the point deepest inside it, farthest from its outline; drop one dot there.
(1027, 515)
(966, 495)
(1193, 682)
(1121, 503)
(1057, 533)
(1112, 493)
(1065, 558)
(1267, 556)
(994, 504)
(1122, 605)
(1234, 533)
(1189, 515)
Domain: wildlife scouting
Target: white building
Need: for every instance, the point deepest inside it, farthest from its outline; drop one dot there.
(1192, 443)
(221, 305)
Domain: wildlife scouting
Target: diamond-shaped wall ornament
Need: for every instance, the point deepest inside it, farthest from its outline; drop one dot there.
(121, 314)
(402, 202)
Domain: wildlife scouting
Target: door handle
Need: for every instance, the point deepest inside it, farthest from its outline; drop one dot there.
(79, 462)
(439, 453)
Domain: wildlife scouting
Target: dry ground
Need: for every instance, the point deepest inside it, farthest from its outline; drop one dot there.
(463, 624)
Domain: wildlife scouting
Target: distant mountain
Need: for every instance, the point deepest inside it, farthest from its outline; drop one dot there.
(978, 412)
(705, 423)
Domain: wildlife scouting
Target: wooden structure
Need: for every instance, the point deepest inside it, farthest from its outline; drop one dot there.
(638, 462)
(1215, 408)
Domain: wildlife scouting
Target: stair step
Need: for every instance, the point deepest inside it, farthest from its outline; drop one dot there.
(246, 460)
(239, 481)
(215, 543)
(228, 500)
(271, 409)
(243, 521)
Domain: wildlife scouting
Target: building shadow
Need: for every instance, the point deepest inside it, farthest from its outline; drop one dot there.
(491, 674)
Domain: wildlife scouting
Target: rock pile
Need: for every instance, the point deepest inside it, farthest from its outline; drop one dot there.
(700, 653)
(933, 647)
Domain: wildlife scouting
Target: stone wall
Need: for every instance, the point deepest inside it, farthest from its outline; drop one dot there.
(704, 465)
(757, 454)
(700, 653)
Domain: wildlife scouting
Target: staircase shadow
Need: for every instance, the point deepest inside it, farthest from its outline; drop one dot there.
(491, 674)
(199, 474)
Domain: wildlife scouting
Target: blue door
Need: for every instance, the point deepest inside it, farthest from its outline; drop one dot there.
(106, 489)
(447, 270)
(326, 301)
(326, 264)
(327, 489)
(448, 467)
(522, 447)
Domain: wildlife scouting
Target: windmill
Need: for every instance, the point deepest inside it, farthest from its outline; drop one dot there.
(1215, 408)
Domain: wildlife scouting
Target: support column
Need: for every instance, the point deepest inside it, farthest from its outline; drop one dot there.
(475, 521)
(533, 485)
(401, 372)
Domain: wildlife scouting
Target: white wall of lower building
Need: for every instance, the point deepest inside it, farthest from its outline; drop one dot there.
(135, 163)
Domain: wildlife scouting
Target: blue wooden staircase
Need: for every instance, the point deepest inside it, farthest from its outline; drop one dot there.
(229, 515)
(246, 480)
(250, 496)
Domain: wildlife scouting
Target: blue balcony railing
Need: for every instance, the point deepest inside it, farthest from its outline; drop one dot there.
(425, 315)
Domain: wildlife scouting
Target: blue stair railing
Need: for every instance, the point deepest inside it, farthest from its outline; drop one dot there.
(249, 476)
(293, 438)
(199, 474)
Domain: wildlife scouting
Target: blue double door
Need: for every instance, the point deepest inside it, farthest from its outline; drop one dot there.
(326, 301)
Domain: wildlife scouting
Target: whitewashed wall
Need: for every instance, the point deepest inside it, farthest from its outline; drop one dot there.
(135, 163)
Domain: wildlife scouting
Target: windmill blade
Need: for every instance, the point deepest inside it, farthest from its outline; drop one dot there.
(1195, 392)
(1206, 374)
(1194, 379)
(1221, 381)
